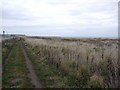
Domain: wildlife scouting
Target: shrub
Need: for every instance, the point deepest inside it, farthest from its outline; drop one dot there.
(83, 76)
(96, 82)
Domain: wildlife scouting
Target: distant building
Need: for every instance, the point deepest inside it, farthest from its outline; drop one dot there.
(3, 32)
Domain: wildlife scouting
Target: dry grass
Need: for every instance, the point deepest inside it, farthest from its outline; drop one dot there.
(81, 58)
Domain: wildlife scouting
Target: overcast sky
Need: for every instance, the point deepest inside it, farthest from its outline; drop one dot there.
(74, 18)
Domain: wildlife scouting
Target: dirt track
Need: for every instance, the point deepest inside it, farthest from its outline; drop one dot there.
(20, 59)
(32, 75)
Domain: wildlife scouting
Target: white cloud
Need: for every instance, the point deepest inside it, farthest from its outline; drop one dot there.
(60, 13)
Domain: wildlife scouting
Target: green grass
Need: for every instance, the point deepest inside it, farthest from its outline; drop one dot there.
(6, 48)
(0, 53)
(0, 65)
(15, 74)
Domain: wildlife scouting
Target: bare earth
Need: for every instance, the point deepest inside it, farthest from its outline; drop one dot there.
(32, 75)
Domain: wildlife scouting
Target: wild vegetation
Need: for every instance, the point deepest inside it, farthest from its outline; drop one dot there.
(83, 63)
(15, 74)
(7, 46)
(60, 62)
(0, 63)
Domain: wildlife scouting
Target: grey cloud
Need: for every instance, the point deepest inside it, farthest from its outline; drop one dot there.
(100, 7)
(108, 7)
(18, 16)
(65, 32)
(14, 15)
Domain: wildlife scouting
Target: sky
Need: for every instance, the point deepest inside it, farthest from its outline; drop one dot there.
(67, 18)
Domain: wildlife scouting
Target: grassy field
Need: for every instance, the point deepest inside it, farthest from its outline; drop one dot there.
(83, 63)
(15, 74)
(0, 64)
(50, 76)
(7, 46)
(61, 62)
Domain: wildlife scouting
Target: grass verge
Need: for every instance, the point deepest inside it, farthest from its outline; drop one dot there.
(48, 73)
(15, 74)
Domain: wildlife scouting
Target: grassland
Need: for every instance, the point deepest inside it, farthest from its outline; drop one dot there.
(61, 62)
(7, 46)
(0, 64)
(15, 74)
(83, 63)
(50, 76)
